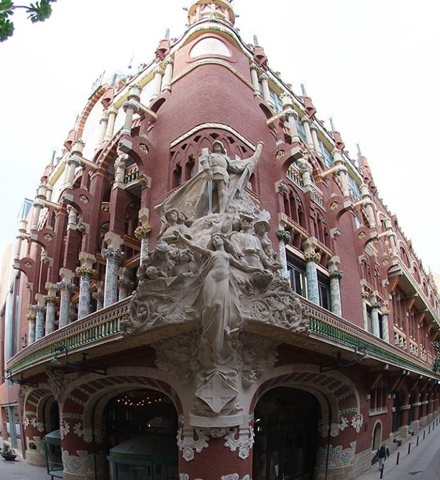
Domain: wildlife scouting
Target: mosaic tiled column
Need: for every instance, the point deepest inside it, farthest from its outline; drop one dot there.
(73, 163)
(113, 256)
(342, 172)
(125, 288)
(385, 331)
(368, 204)
(51, 302)
(265, 87)
(254, 78)
(312, 276)
(130, 108)
(85, 274)
(157, 83)
(102, 128)
(64, 288)
(99, 298)
(312, 258)
(112, 112)
(168, 76)
(365, 296)
(335, 287)
(284, 238)
(36, 214)
(314, 130)
(31, 333)
(375, 317)
(335, 292)
(306, 124)
(39, 321)
(143, 234)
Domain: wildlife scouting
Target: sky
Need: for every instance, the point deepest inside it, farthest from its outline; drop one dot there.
(371, 65)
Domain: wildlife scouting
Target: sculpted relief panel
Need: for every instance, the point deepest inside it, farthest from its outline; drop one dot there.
(213, 264)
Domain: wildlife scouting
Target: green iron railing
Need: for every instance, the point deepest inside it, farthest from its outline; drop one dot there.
(99, 327)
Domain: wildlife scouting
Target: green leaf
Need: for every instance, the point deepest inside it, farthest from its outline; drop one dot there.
(39, 11)
(6, 4)
(6, 29)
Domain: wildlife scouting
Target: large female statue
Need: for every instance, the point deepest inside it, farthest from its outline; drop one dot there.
(217, 298)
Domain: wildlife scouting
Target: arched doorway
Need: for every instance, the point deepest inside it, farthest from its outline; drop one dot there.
(141, 427)
(377, 436)
(396, 411)
(286, 427)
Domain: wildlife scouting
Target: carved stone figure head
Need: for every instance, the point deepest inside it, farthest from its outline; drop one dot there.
(217, 241)
(218, 147)
(262, 226)
(172, 215)
(161, 248)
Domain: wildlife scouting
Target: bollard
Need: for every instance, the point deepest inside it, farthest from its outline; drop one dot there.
(424, 433)
(409, 448)
(417, 444)
(429, 429)
(398, 457)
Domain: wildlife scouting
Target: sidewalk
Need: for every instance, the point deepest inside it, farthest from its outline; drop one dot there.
(20, 470)
(422, 462)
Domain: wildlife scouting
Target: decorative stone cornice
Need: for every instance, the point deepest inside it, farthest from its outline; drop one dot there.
(84, 272)
(142, 232)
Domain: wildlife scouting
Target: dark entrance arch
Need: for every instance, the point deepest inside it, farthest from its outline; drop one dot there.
(286, 427)
(141, 428)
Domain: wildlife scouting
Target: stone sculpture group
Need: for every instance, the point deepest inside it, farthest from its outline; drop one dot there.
(214, 265)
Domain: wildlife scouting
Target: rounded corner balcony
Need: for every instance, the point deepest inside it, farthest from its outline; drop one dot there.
(137, 321)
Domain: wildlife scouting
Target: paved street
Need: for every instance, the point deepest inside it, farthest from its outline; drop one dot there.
(422, 463)
(20, 470)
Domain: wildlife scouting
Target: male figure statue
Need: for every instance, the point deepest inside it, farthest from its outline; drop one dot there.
(216, 167)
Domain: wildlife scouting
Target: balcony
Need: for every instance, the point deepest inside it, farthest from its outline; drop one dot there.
(100, 333)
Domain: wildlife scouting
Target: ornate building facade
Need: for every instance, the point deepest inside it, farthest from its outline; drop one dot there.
(207, 279)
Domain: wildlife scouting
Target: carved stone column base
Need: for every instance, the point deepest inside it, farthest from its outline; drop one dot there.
(78, 476)
(36, 458)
